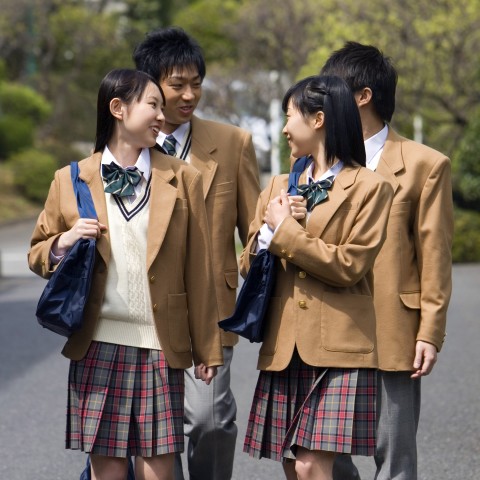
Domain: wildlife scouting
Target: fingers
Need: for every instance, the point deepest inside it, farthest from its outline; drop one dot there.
(207, 374)
(425, 359)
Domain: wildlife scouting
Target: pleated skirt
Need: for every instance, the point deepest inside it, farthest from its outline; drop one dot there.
(124, 401)
(329, 409)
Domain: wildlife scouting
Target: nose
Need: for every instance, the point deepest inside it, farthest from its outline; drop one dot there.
(188, 93)
(160, 116)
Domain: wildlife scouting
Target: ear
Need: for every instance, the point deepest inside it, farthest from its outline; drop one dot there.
(116, 108)
(319, 120)
(363, 97)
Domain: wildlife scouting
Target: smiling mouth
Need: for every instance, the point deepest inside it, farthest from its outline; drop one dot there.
(156, 130)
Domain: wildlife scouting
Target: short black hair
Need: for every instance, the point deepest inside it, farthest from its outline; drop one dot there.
(343, 128)
(167, 49)
(127, 85)
(365, 66)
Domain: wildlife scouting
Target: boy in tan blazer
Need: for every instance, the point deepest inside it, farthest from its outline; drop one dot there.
(225, 156)
(413, 270)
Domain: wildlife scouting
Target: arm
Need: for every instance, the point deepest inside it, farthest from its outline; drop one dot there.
(248, 187)
(202, 305)
(362, 230)
(53, 235)
(433, 232)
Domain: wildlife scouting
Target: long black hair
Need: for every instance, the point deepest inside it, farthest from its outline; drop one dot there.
(127, 85)
(343, 129)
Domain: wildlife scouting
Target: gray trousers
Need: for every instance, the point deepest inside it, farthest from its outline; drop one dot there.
(210, 414)
(398, 413)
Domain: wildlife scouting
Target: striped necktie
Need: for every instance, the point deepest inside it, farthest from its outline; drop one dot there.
(169, 145)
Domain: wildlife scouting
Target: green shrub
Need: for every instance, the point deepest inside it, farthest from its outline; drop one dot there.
(466, 240)
(16, 134)
(33, 172)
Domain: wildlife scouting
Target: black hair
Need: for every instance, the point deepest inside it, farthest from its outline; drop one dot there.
(363, 66)
(127, 85)
(343, 129)
(167, 49)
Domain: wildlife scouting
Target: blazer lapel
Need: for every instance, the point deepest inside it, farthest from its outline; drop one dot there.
(90, 174)
(163, 196)
(323, 212)
(391, 161)
(201, 153)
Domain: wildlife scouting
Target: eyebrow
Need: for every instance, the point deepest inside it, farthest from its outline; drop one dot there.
(181, 77)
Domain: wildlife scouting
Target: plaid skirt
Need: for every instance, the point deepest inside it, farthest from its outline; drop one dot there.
(329, 409)
(124, 401)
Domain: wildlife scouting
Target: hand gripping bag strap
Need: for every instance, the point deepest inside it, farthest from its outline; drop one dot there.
(61, 305)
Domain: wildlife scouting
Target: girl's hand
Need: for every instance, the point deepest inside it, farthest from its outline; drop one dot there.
(278, 209)
(83, 228)
(298, 206)
(205, 373)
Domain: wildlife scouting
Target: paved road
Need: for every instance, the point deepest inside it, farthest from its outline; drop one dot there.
(33, 387)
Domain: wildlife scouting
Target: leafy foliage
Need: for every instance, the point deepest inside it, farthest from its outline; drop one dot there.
(32, 173)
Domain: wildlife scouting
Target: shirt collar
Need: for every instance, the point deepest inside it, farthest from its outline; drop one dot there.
(142, 163)
(334, 170)
(374, 145)
(178, 134)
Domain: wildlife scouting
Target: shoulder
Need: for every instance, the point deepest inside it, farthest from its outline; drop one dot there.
(416, 154)
(214, 128)
(163, 163)
(364, 181)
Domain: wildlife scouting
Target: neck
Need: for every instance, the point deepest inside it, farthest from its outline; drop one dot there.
(371, 124)
(320, 166)
(169, 128)
(125, 155)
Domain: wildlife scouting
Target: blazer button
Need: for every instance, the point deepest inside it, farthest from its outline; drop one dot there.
(290, 256)
(152, 279)
(302, 274)
(155, 307)
(283, 252)
(302, 304)
(43, 263)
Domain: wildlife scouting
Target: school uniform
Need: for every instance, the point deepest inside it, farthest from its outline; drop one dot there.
(225, 157)
(159, 330)
(321, 320)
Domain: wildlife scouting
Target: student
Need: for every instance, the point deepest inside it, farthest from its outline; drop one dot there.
(225, 156)
(413, 270)
(147, 304)
(315, 396)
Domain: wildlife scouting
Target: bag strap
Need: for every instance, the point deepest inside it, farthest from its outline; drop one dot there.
(298, 167)
(86, 208)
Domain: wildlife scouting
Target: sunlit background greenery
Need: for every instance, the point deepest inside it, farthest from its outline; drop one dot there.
(54, 53)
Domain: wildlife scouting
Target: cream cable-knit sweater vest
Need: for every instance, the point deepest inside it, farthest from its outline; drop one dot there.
(126, 316)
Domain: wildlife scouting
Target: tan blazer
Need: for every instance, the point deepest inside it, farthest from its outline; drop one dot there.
(225, 157)
(413, 270)
(322, 302)
(178, 258)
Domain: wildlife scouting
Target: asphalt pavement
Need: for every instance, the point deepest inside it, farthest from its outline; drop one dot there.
(33, 377)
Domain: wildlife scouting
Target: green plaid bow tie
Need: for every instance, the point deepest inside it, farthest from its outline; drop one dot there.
(120, 181)
(315, 192)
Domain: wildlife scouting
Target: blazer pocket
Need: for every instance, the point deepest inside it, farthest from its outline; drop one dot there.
(180, 203)
(411, 300)
(272, 327)
(231, 278)
(221, 191)
(178, 331)
(347, 323)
